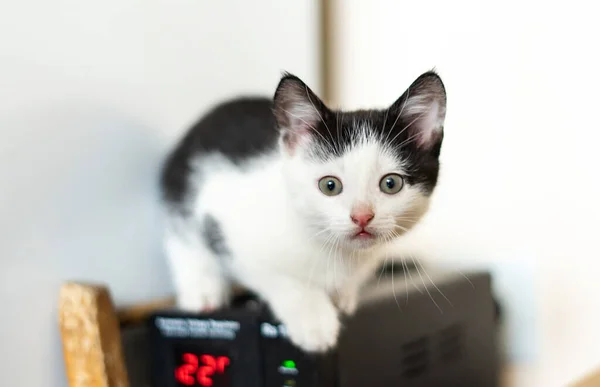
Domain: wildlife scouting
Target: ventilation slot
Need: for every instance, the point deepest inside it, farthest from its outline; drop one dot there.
(415, 357)
(451, 343)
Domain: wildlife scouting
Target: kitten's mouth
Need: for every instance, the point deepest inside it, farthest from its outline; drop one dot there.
(363, 235)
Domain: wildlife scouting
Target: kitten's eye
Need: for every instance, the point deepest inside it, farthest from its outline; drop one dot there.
(330, 185)
(391, 184)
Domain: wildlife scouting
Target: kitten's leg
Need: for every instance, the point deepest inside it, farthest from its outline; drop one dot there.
(310, 318)
(198, 277)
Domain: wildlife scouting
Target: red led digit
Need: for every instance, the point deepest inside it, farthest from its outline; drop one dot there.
(183, 376)
(204, 376)
(209, 361)
(184, 373)
(207, 370)
(190, 359)
(222, 362)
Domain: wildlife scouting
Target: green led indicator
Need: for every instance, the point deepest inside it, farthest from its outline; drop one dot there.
(289, 364)
(288, 367)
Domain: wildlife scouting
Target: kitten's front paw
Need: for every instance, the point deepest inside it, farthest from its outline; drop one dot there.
(347, 302)
(314, 327)
(205, 298)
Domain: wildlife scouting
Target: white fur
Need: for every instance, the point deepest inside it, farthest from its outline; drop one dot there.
(289, 242)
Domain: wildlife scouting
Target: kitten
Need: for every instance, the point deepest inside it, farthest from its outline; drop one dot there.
(293, 200)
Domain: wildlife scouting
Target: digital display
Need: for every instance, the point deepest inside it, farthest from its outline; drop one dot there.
(240, 347)
(201, 368)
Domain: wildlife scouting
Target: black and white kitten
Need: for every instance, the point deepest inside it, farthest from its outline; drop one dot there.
(294, 200)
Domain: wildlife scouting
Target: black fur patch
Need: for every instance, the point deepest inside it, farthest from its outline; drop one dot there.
(213, 236)
(238, 129)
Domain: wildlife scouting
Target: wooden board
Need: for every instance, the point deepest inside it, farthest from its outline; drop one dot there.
(91, 337)
(592, 380)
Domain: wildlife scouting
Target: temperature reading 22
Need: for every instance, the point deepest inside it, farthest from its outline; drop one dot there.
(203, 370)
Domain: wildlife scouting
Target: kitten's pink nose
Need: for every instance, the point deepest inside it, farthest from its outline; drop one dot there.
(362, 217)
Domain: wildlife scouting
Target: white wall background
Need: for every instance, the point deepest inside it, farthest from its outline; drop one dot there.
(91, 94)
(519, 189)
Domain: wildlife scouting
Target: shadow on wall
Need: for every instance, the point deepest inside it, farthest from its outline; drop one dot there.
(78, 201)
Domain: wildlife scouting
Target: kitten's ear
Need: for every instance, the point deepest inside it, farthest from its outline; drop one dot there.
(298, 111)
(422, 110)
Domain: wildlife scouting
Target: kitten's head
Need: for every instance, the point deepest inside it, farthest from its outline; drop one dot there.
(363, 177)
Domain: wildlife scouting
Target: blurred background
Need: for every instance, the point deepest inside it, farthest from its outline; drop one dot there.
(93, 93)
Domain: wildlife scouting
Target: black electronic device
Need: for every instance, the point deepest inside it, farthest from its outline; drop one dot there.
(240, 346)
(426, 331)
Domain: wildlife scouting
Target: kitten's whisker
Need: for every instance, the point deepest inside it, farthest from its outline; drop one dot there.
(384, 262)
(412, 280)
(465, 277)
(409, 220)
(315, 261)
(407, 217)
(425, 286)
(329, 243)
(402, 228)
(385, 258)
(434, 285)
(337, 256)
(394, 288)
(393, 284)
(321, 232)
(335, 251)
(327, 229)
(327, 223)
(405, 269)
(331, 249)
(382, 269)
